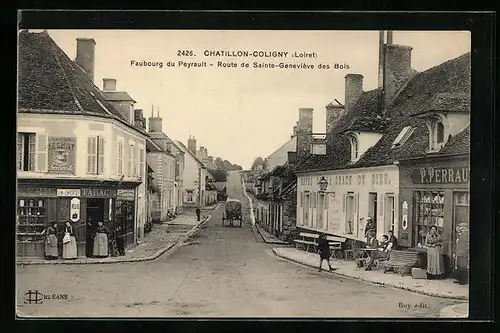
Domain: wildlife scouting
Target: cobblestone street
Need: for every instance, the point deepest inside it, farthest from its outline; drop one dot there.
(224, 271)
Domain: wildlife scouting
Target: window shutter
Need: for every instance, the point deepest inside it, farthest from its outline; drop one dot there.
(19, 151)
(129, 164)
(141, 163)
(120, 158)
(41, 153)
(396, 212)
(100, 167)
(343, 202)
(356, 214)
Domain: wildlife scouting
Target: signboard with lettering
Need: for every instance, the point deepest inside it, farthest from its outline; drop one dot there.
(66, 192)
(75, 209)
(333, 214)
(440, 175)
(98, 193)
(124, 194)
(36, 192)
(61, 155)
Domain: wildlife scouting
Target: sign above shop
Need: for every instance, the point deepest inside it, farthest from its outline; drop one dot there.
(98, 193)
(125, 194)
(451, 175)
(39, 192)
(66, 192)
(61, 155)
(75, 209)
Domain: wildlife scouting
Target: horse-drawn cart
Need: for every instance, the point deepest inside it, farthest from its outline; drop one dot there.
(232, 212)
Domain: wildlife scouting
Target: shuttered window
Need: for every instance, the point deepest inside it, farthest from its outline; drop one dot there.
(120, 157)
(142, 165)
(129, 164)
(95, 155)
(27, 151)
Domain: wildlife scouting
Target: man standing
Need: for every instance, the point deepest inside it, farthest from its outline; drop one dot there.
(198, 212)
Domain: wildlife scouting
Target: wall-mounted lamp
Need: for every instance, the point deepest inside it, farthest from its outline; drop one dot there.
(323, 185)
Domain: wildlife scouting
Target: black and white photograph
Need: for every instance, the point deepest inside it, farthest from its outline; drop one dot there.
(243, 173)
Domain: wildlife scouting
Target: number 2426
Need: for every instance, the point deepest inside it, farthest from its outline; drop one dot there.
(186, 53)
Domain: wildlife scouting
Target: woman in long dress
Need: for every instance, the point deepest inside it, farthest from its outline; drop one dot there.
(51, 251)
(101, 241)
(69, 248)
(435, 264)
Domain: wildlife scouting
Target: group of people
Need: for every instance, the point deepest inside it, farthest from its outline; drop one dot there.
(54, 238)
(382, 249)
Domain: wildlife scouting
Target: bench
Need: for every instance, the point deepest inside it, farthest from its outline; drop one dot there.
(400, 261)
(307, 240)
(335, 245)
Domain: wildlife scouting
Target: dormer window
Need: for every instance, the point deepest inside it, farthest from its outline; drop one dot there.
(437, 133)
(353, 139)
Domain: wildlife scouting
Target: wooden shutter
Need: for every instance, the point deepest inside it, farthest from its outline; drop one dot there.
(129, 164)
(120, 157)
(41, 152)
(19, 151)
(396, 214)
(344, 202)
(100, 167)
(92, 154)
(356, 214)
(141, 163)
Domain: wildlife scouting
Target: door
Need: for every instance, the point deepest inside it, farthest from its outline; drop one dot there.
(390, 214)
(349, 213)
(307, 202)
(95, 213)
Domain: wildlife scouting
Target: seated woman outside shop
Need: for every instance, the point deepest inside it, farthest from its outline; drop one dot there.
(382, 252)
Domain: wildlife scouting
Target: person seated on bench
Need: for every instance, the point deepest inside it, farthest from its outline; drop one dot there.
(382, 252)
(372, 242)
(393, 240)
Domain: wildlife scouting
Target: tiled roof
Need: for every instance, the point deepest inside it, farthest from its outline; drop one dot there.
(151, 146)
(49, 82)
(444, 87)
(185, 149)
(117, 96)
(458, 144)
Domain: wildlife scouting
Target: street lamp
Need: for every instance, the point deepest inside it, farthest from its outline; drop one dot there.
(323, 185)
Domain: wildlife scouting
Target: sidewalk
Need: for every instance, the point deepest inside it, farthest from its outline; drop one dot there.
(268, 238)
(455, 311)
(438, 288)
(212, 207)
(161, 239)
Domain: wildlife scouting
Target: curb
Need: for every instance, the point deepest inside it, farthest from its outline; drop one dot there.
(213, 208)
(379, 283)
(277, 242)
(115, 261)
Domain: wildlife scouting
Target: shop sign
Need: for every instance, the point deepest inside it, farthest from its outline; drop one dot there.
(372, 179)
(333, 214)
(40, 192)
(451, 175)
(98, 193)
(66, 192)
(125, 195)
(61, 155)
(404, 223)
(75, 209)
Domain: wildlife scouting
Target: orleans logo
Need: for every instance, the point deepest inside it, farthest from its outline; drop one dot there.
(36, 297)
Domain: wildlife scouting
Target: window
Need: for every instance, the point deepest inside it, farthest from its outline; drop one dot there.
(353, 139)
(120, 157)
(95, 155)
(439, 132)
(26, 151)
(31, 219)
(460, 222)
(428, 211)
(130, 158)
(403, 136)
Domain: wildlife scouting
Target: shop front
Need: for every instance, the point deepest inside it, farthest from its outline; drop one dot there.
(434, 191)
(347, 198)
(42, 203)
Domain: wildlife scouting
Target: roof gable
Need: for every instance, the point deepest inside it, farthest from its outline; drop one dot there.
(186, 150)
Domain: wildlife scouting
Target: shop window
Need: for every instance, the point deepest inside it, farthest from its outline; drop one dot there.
(31, 219)
(429, 211)
(460, 222)
(26, 151)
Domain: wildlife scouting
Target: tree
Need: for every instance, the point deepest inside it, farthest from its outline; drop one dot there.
(258, 161)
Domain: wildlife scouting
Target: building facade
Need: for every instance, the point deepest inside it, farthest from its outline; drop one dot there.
(195, 175)
(78, 159)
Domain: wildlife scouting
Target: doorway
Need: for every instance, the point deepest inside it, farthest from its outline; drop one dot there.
(95, 213)
(306, 209)
(390, 214)
(350, 213)
(372, 207)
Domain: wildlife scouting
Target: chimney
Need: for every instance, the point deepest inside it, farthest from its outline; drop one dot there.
(397, 69)
(85, 52)
(192, 144)
(294, 133)
(108, 84)
(333, 113)
(304, 132)
(155, 123)
(381, 59)
(353, 89)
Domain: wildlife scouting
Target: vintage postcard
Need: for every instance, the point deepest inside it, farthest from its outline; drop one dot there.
(243, 173)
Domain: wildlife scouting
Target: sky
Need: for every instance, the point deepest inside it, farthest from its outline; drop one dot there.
(240, 113)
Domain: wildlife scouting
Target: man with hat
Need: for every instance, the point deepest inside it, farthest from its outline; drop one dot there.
(369, 226)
